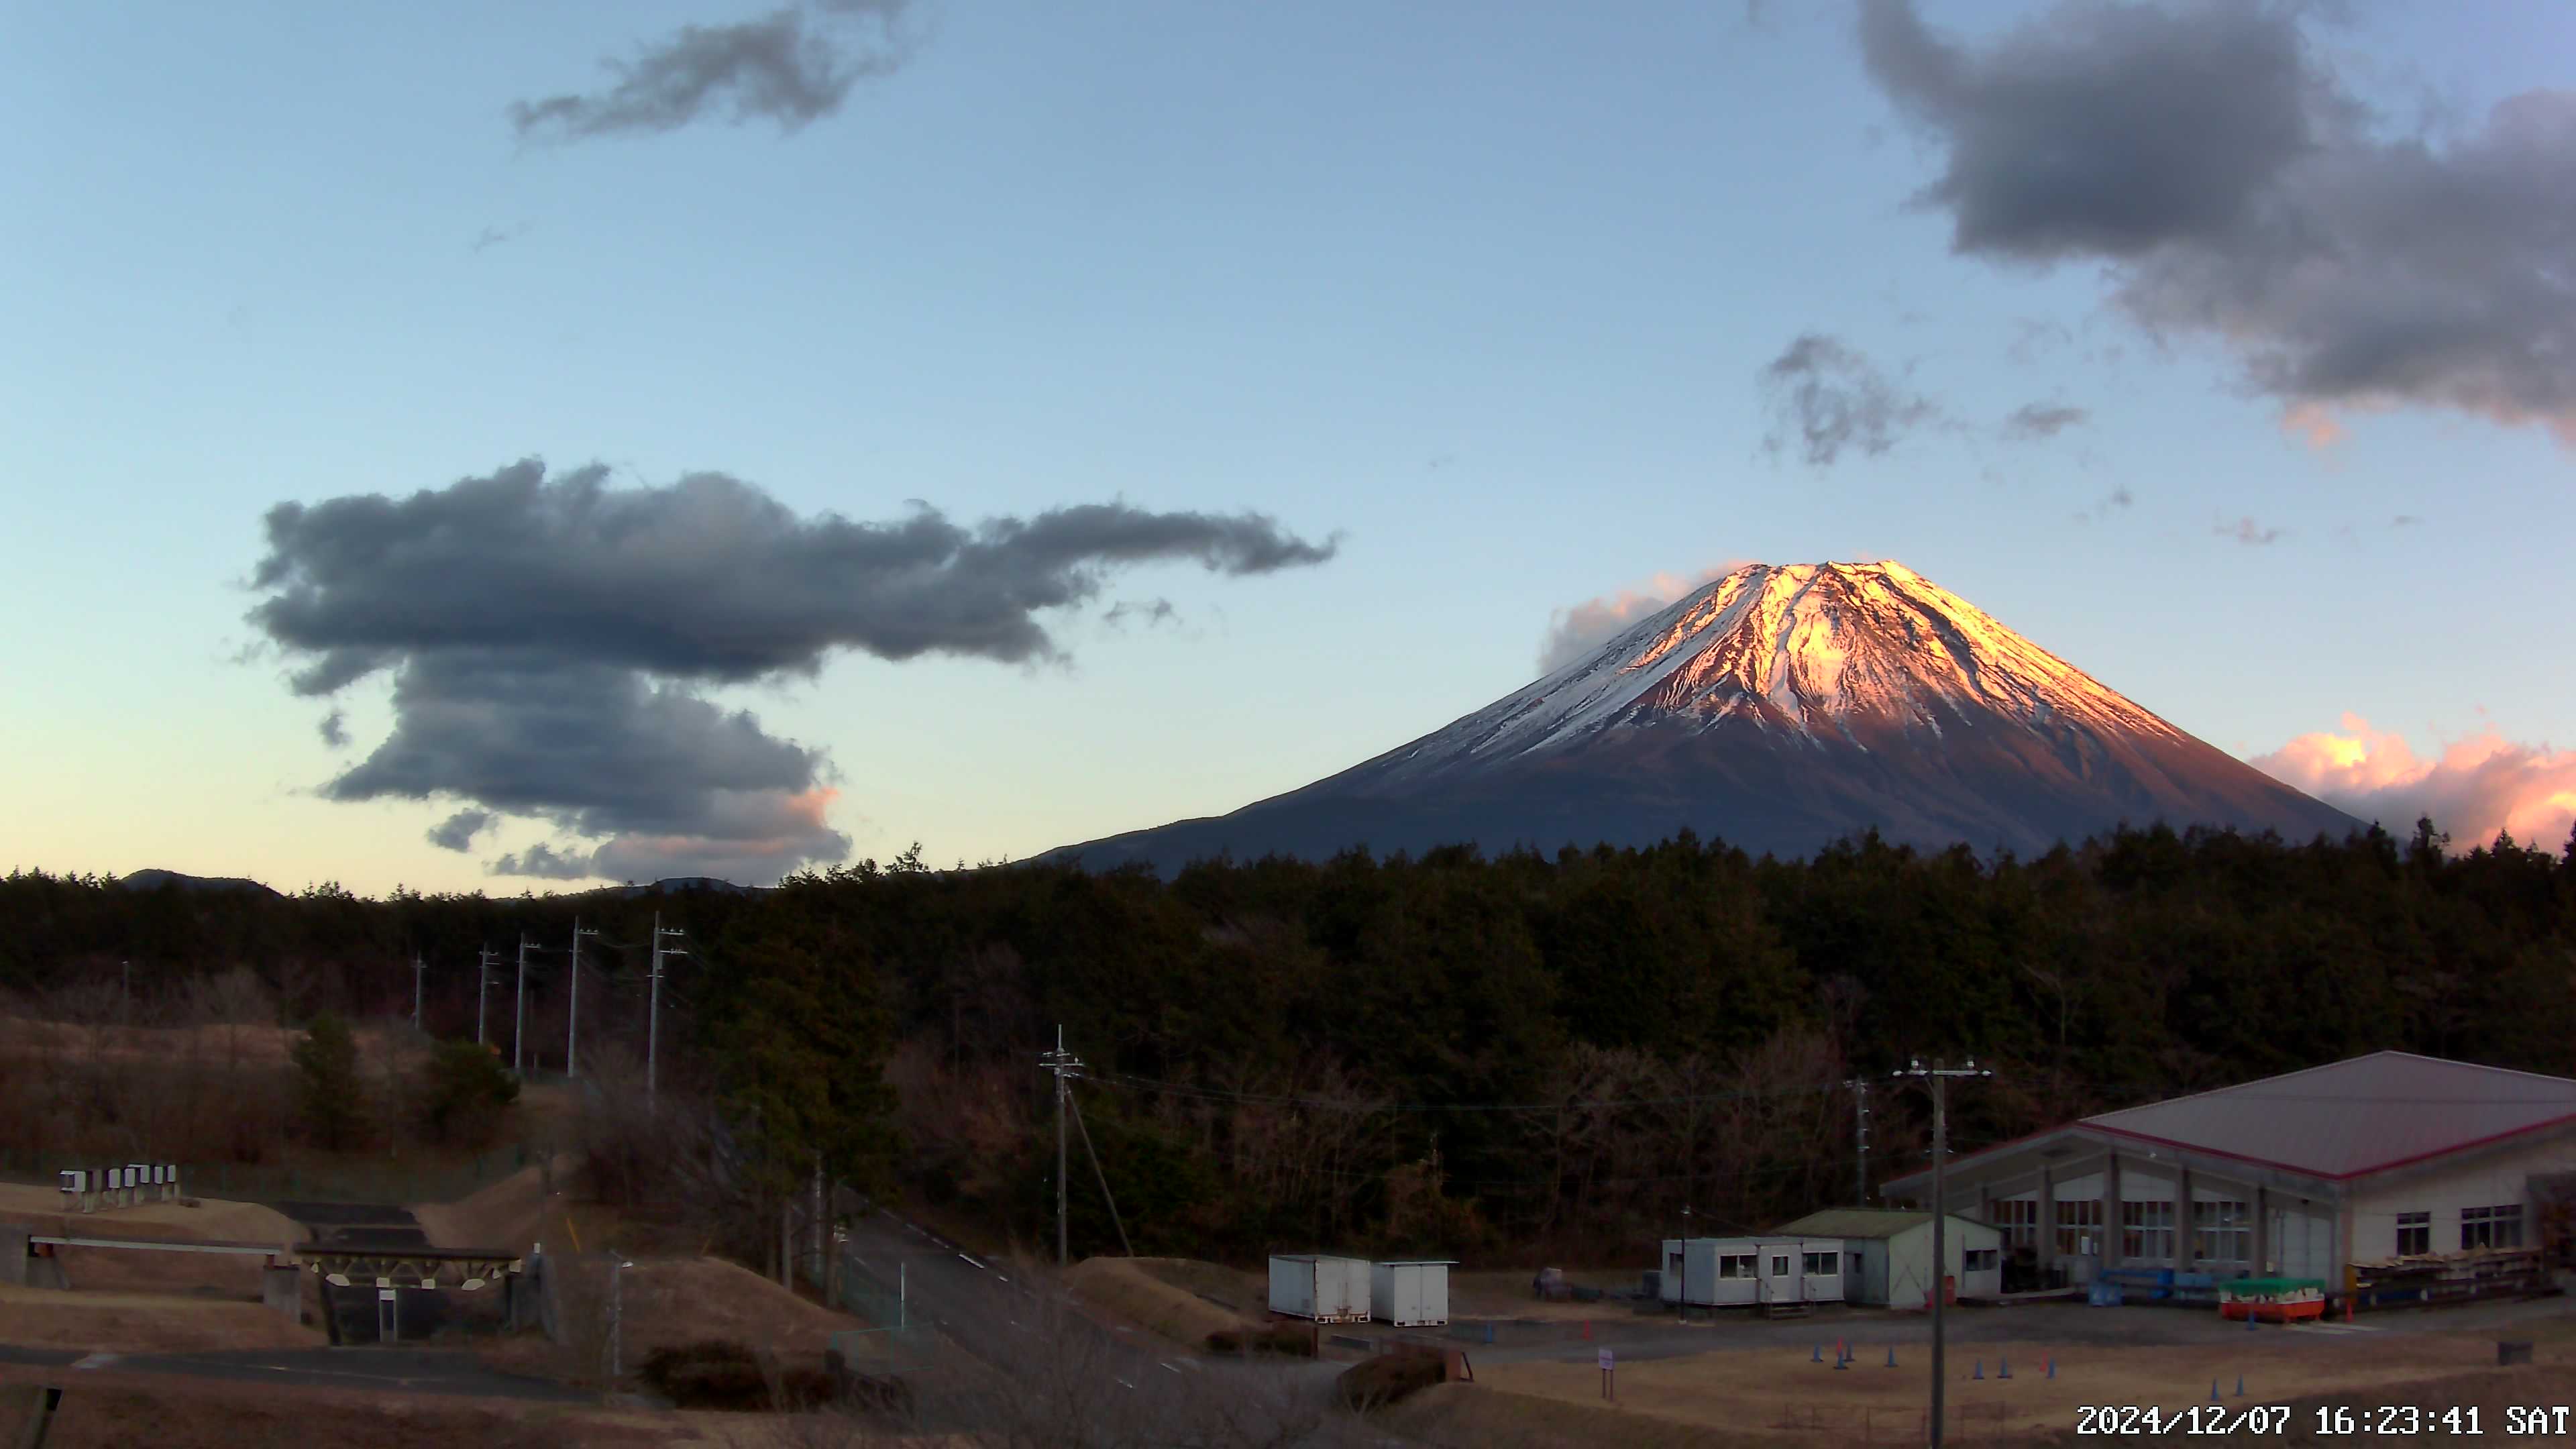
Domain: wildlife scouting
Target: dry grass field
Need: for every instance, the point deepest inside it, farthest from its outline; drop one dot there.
(1777, 1397)
(1160, 1295)
(1758, 1390)
(143, 1322)
(112, 1410)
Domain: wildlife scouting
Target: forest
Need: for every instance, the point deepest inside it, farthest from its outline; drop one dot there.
(1494, 1059)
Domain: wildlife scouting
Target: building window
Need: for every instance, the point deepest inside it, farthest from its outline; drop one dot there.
(1735, 1265)
(2414, 1234)
(1824, 1265)
(2079, 1226)
(2147, 1231)
(1980, 1260)
(2221, 1232)
(2490, 1227)
(2019, 1219)
(1779, 1265)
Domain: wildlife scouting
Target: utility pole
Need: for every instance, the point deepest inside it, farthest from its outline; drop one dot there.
(419, 974)
(519, 1020)
(1860, 1140)
(1939, 1075)
(653, 1014)
(1066, 1067)
(482, 988)
(572, 1030)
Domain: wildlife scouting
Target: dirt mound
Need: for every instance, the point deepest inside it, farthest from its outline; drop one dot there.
(144, 1323)
(1135, 1289)
(209, 1220)
(525, 1207)
(669, 1302)
(209, 1275)
(112, 1408)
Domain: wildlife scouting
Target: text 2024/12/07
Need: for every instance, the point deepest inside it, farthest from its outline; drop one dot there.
(2338, 1420)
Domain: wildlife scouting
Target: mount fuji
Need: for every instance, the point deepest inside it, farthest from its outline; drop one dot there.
(1779, 708)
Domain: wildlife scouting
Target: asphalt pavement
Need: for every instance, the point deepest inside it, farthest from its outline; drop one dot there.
(1000, 1320)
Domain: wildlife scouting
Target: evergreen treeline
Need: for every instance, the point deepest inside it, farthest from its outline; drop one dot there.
(1447, 1053)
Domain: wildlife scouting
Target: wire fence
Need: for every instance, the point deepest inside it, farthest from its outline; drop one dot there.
(878, 1295)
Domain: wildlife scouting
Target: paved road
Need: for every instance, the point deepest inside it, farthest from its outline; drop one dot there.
(357, 1224)
(1049, 1348)
(383, 1370)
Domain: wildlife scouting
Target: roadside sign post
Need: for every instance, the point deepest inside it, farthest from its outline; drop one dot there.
(1609, 1390)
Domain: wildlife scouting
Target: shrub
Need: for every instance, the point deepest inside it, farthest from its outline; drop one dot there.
(1386, 1379)
(328, 1095)
(463, 1091)
(1289, 1338)
(712, 1374)
(721, 1374)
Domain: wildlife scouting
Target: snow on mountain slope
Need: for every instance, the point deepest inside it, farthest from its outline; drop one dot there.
(1804, 648)
(1779, 708)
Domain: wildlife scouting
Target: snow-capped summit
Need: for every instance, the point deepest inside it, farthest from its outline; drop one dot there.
(1778, 708)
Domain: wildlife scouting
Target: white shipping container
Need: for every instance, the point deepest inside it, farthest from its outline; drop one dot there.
(1327, 1290)
(1413, 1293)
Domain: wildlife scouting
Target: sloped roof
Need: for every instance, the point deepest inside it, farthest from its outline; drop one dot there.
(1862, 1223)
(2353, 1117)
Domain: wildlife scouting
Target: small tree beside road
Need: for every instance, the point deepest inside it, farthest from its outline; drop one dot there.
(329, 1098)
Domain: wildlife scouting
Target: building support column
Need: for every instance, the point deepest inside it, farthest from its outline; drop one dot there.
(2184, 1257)
(2045, 1235)
(2112, 1255)
(2262, 1265)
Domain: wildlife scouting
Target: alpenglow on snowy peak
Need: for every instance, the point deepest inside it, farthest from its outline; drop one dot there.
(1779, 709)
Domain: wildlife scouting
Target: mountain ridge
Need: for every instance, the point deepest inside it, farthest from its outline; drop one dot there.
(1778, 708)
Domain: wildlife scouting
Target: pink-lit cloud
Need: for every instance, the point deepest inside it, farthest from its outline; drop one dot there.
(1576, 631)
(2477, 787)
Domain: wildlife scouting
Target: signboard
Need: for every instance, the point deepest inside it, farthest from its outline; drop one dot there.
(1605, 1360)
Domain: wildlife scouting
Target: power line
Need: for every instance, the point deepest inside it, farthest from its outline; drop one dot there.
(1178, 1089)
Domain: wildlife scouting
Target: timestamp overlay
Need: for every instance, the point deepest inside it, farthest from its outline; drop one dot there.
(2336, 1421)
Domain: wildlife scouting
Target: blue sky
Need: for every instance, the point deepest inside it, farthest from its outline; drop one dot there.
(1486, 289)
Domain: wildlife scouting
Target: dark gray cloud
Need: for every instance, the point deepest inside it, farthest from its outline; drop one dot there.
(334, 728)
(1830, 397)
(493, 236)
(791, 66)
(2247, 531)
(708, 578)
(2404, 520)
(548, 637)
(2032, 421)
(457, 831)
(2209, 153)
(546, 863)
